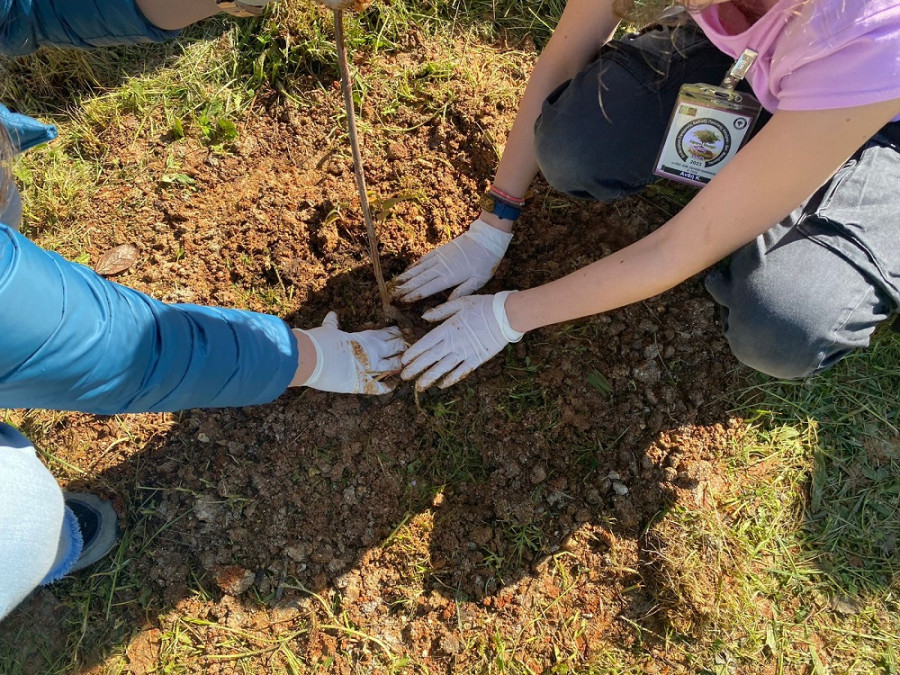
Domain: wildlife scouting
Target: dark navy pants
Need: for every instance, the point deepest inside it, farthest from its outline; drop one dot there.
(801, 296)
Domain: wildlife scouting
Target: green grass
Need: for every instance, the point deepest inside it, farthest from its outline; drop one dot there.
(793, 565)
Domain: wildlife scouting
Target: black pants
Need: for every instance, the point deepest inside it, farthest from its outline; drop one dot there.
(801, 296)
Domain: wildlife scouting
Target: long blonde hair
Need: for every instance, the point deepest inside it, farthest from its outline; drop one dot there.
(642, 12)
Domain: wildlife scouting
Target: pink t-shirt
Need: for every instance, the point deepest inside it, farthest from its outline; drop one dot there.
(815, 54)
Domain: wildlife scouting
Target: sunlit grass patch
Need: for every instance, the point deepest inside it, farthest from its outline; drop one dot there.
(790, 560)
(786, 563)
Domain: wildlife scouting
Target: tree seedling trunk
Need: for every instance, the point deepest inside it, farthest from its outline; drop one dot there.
(390, 312)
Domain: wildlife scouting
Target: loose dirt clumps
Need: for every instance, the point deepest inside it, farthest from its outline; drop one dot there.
(358, 531)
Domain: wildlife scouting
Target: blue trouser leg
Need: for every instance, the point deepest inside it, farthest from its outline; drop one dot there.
(801, 296)
(34, 525)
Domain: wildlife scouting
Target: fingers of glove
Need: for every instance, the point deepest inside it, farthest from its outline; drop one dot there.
(426, 262)
(436, 285)
(423, 354)
(392, 345)
(387, 366)
(464, 369)
(331, 320)
(379, 335)
(378, 387)
(446, 310)
(414, 288)
(437, 371)
(467, 287)
(372, 348)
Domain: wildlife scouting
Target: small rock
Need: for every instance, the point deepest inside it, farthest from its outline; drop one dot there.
(482, 535)
(620, 488)
(647, 373)
(556, 498)
(538, 475)
(450, 644)
(233, 579)
(297, 553)
(207, 509)
(323, 555)
(397, 151)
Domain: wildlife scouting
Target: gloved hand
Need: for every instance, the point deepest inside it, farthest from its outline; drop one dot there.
(243, 8)
(356, 5)
(475, 330)
(353, 363)
(467, 262)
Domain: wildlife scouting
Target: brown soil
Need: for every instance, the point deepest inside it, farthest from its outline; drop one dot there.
(531, 472)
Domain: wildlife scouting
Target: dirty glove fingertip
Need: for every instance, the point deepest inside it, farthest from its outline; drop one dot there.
(330, 320)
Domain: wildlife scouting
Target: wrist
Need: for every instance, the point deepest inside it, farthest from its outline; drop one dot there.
(517, 313)
(501, 224)
(501, 204)
(490, 238)
(176, 14)
(500, 313)
(308, 359)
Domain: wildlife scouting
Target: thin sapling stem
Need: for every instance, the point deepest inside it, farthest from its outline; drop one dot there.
(390, 311)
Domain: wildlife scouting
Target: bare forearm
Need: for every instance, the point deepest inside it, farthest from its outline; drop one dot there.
(175, 14)
(635, 273)
(722, 217)
(584, 27)
(306, 358)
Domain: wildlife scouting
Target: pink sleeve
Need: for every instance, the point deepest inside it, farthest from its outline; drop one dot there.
(861, 71)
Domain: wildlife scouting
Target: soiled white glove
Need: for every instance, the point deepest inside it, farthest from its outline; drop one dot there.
(354, 363)
(475, 330)
(357, 5)
(467, 262)
(243, 8)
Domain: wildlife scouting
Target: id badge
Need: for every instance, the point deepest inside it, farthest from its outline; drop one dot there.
(708, 126)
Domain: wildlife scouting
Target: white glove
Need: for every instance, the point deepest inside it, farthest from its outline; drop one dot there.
(467, 262)
(354, 363)
(476, 329)
(358, 5)
(243, 8)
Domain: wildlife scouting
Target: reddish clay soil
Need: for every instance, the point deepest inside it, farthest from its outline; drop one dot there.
(550, 462)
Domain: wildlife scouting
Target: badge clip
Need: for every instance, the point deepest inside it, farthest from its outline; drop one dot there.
(708, 126)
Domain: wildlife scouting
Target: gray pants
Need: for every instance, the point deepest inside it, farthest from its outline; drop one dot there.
(801, 296)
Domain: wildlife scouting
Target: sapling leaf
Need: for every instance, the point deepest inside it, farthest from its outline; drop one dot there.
(599, 382)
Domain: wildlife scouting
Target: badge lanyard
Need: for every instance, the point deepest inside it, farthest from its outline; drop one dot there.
(708, 126)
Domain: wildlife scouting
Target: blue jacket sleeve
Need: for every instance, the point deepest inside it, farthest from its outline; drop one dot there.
(26, 25)
(71, 340)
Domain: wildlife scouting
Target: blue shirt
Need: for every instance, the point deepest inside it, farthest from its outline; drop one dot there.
(26, 25)
(70, 339)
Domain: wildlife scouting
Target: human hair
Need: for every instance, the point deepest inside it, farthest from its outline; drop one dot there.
(643, 12)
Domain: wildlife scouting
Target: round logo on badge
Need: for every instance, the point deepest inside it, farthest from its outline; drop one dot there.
(704, 140)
